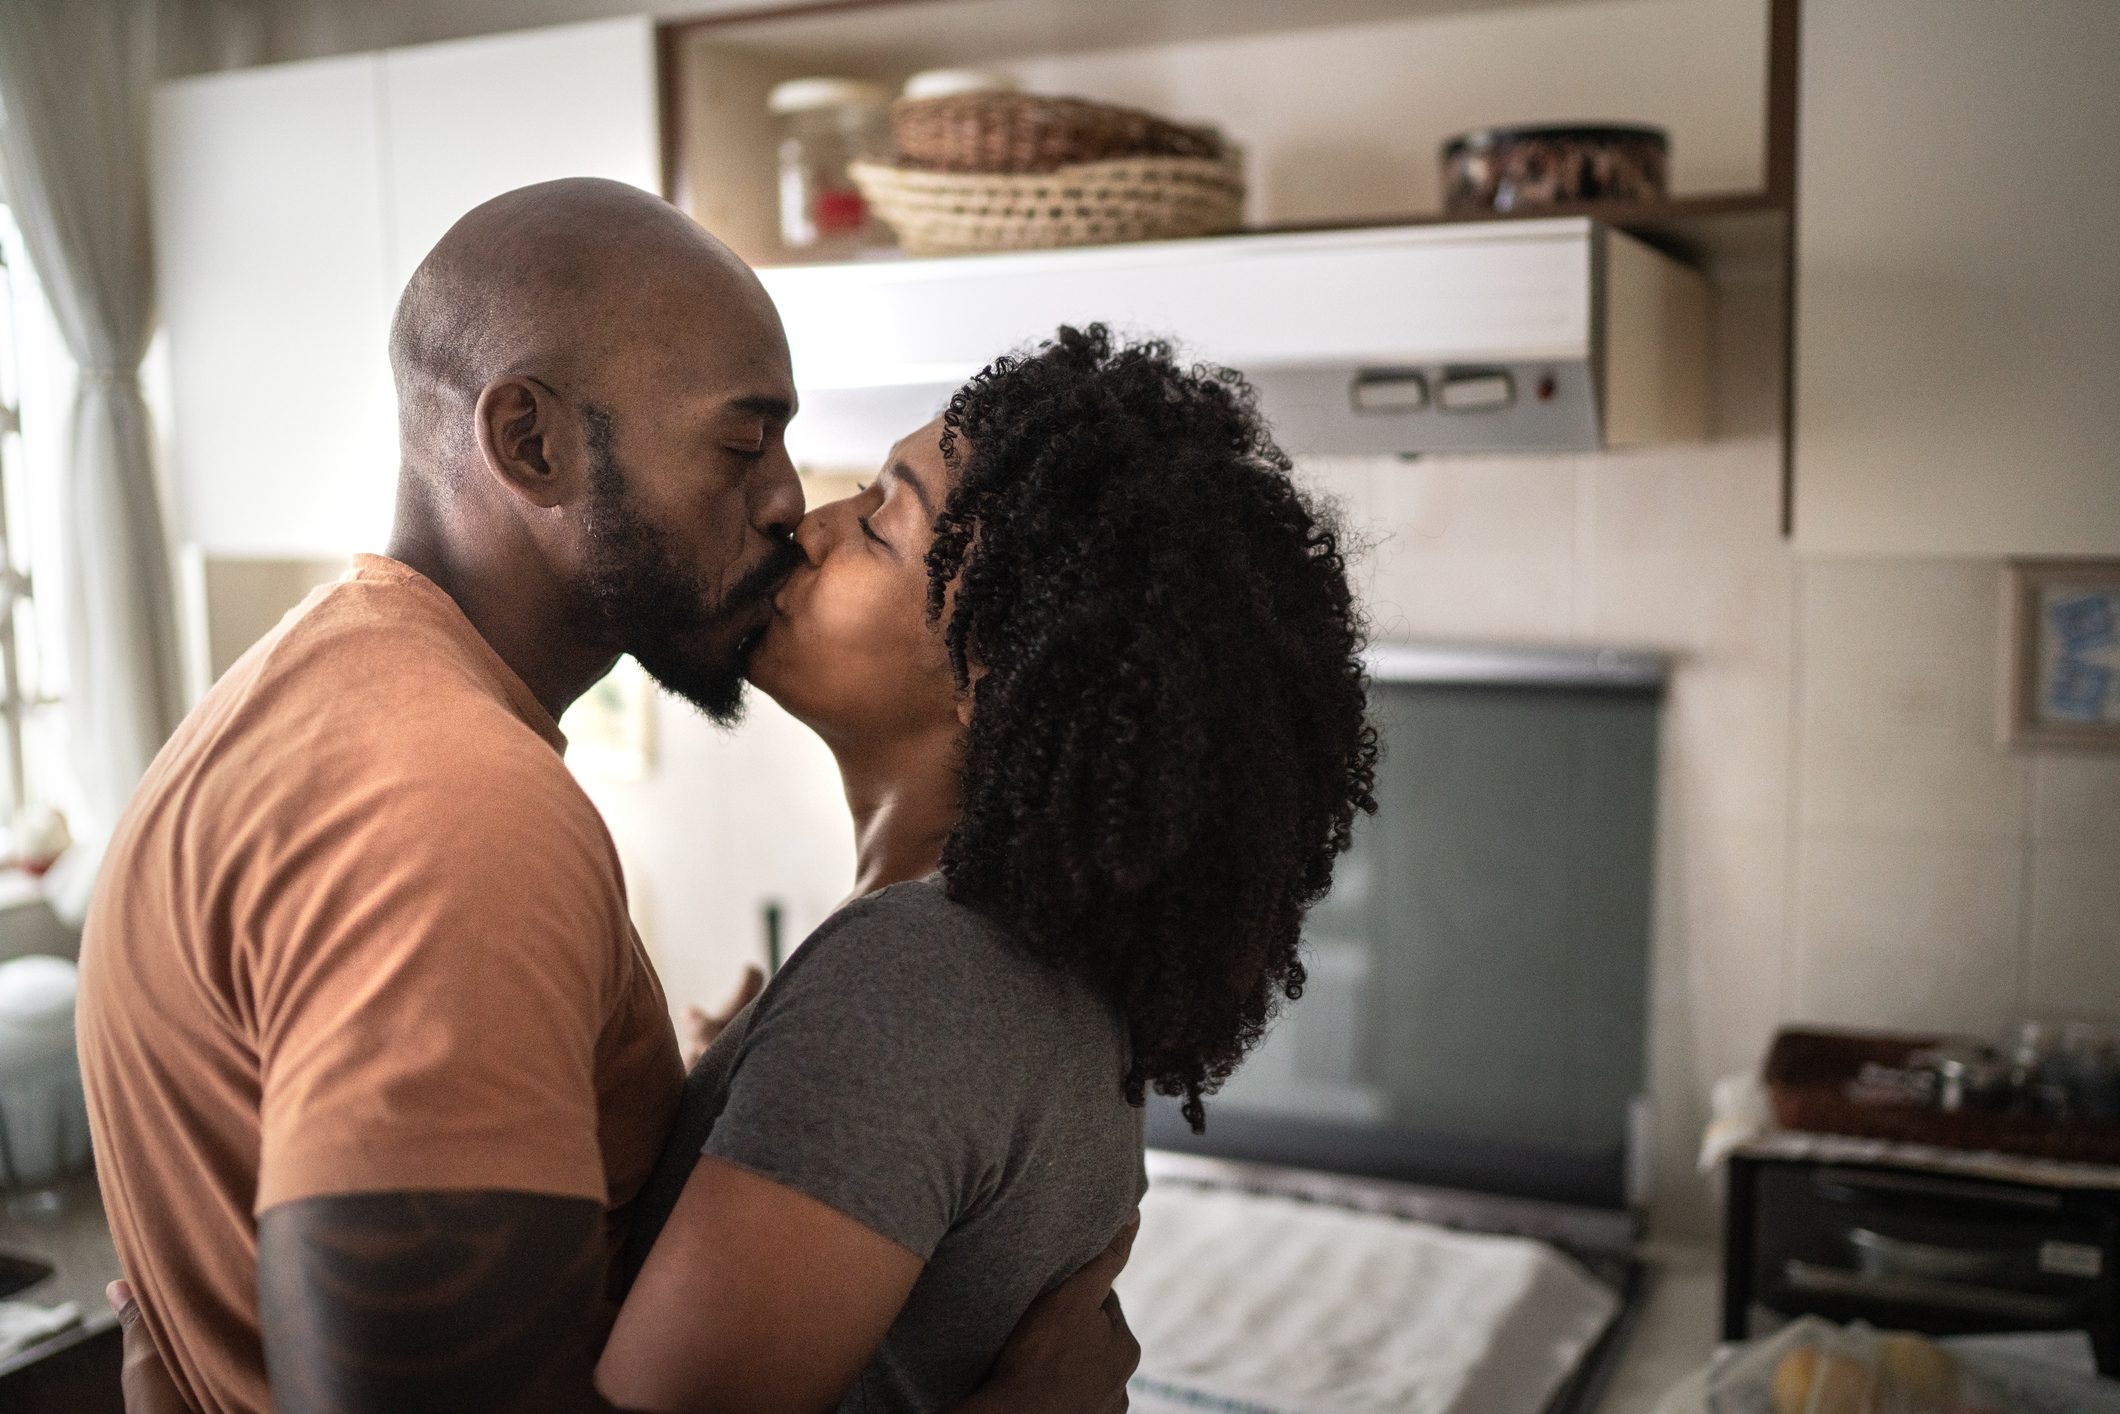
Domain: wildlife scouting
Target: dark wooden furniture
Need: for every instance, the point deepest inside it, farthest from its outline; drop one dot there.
(1919, 1248)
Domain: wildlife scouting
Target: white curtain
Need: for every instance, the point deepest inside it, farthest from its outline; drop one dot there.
(76, 81)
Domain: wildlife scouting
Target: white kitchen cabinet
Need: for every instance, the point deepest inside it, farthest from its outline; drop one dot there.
(270, 259)
(468, 120)
(291, 203)
(1958, 295)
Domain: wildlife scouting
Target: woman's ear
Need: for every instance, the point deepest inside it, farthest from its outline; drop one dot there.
(525, 440)
(974, 671)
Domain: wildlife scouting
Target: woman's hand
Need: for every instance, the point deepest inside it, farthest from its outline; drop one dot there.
(700, 1027)
(146, 1382)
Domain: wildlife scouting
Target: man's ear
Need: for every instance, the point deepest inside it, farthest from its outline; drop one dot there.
(527, 440)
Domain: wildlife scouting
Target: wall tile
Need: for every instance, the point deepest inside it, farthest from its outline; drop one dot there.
(2075, 942)
(1716, 977)
(1900, 672)
(1476, 547)
(2076, 795)
(1904, 930)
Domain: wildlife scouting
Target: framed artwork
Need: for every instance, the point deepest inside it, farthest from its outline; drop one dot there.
(2064, 653)
(610, 729)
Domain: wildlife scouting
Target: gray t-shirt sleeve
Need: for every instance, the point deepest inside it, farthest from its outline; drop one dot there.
(861, 1079)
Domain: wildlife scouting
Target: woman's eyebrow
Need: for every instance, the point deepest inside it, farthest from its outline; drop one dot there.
(899, 471)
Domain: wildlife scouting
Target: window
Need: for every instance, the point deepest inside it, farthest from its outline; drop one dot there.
(32, 749)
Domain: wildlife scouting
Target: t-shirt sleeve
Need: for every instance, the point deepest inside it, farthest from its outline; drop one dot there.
(861, 1082)
(428, 999)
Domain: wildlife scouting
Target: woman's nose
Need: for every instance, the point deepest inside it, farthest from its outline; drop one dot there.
(813, 536)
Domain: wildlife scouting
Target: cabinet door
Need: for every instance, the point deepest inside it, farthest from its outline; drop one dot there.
(1958, 295)
(469, 119)
(268, 214)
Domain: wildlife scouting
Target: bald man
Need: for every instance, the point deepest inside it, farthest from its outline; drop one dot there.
(374, 1058)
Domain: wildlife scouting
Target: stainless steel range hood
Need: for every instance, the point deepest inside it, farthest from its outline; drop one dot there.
(1511, 336)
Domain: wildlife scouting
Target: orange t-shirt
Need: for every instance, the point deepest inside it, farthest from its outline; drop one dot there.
(358, 931)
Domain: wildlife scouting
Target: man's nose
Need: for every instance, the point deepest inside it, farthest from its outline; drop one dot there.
(776, 508)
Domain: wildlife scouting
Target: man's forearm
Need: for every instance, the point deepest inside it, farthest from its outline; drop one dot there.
(403, 1303)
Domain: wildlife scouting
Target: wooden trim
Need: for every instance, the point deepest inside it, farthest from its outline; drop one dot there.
(1784, 59)
(807, 9)
(669, 110)
(1784, 118)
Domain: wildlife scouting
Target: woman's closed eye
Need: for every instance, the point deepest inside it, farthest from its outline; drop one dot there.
(870, 531)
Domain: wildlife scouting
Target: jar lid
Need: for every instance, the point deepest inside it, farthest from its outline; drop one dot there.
(1482, 139)
(806, 95)
(947, 83)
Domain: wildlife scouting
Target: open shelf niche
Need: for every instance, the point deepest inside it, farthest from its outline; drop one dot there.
(1341, 106)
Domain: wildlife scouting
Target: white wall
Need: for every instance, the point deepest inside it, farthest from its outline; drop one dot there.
(1349, 120)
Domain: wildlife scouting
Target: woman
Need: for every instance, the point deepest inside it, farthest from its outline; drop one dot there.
(1089, 666)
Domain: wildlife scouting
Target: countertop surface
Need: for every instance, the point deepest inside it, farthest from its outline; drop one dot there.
(72, 1237)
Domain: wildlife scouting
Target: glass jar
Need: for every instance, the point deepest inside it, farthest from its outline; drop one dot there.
(825, 125)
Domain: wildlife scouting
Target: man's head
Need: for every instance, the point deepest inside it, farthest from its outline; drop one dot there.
(591, 398)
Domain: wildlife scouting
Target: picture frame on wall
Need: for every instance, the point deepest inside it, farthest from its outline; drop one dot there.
(2063, 658)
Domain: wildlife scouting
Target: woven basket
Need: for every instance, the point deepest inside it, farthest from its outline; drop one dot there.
(1022, 132)
(1094, 203)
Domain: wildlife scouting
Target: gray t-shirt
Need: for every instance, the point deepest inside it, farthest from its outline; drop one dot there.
(913, 1068)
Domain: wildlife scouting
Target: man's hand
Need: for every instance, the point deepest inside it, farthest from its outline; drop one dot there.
(1072, 1352)
(701, 1027)
(145, 1380)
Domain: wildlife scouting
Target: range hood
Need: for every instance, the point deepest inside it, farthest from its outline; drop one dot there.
(1558, 335)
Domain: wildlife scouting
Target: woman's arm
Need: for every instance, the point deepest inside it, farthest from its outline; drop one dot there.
(757, 1299)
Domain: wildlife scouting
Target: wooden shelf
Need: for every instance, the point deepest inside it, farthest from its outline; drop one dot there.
(861, 36)
(1715, 233)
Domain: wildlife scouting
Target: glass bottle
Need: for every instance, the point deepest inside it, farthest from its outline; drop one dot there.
(825, 125)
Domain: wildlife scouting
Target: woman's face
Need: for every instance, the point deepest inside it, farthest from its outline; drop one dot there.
(850, 651)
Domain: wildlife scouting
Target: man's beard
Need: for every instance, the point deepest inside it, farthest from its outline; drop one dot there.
(652, 607)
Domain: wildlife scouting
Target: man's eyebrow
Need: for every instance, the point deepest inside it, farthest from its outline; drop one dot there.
(901, 472)
(763, 405)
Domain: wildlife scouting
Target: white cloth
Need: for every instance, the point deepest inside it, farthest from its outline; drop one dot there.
(1253, 1304)
(76, 78)
(1742, 1121)
(23, 1324)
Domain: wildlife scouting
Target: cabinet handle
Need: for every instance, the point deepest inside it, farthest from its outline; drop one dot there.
(1813, 1279)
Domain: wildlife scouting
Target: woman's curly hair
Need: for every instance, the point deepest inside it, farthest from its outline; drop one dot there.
(1168, 738)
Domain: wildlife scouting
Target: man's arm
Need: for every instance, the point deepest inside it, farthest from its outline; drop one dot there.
(401, 1303)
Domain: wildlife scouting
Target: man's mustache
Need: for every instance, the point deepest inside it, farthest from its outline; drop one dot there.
(765, 580)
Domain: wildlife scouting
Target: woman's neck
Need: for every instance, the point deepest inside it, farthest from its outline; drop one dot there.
(905, 801)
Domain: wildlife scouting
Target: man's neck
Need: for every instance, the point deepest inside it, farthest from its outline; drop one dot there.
(516, 608)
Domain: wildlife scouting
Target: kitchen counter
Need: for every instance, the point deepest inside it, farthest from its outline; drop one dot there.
(76, 1370)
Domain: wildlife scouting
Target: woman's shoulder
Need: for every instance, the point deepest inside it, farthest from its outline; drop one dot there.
(920, 952)
(916, 921)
